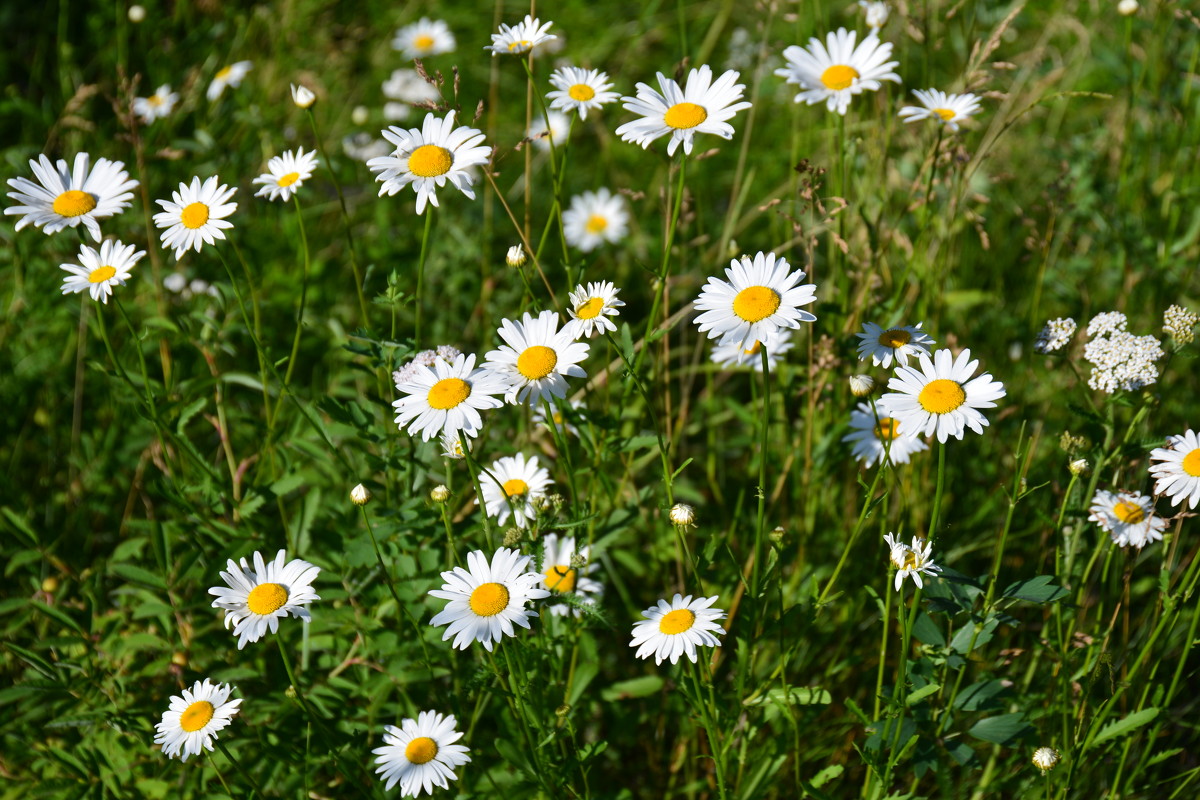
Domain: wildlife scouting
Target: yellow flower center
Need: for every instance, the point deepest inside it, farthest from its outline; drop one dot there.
(560, 579)
(756, 303)
(945, 113)
(196, 716)
(289, 179)
(155, 100)
(421, 750)
(838, 77)
(194, 216)
(537, 362)
(887, 428)
(429, 161)
(591, 309)
(423, 43)
(941, 396)
(677, 621)
(266, 598)
(101, 274)
(223, 73)
(910, 560)
(753, 349)
(519, 47)
(488, 600)
(73, 203)
(581, 92)
(448, 393)
(596, 224)
(894, 339)
(1191, 463)
(685, 115)
(1129, 513)
(515, 487)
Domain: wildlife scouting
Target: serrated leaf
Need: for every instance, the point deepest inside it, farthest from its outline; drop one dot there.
(1124, 726)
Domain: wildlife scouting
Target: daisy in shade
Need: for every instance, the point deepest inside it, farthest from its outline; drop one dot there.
(580, 90)
(565, 574)
(430, 157)
(945, 109)
(760, 297)
(940, 396)
(1178, 473)
(156, 106)
(595, 218)
(701, 107)
(192, 720)
(520, 38)
(1128, 517)
(65, 197)
(100, 270)
(591, 308)
(837, 70)
(911, 561)
(255, 598)
(537, 358)
(286, 173)
(228, 76)
(486, 600)
(420, 754)
(425, 37)
(543, 137)
(447, 397)
(673, 629)
(513, 488)
(557, 418)
(898, 343)
(732, 354)
(195, 215)
(873, 440)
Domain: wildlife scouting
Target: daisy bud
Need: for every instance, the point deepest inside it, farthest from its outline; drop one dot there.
(515, 257)
(360, 495)
(1079, 466)
(137, 13)
(179, 659)
(302, 96)
(439, 494)
(1125, 8)
(861, 385)
(1046, 758)
(50, 585)
(682, 515)
(360, 115)
(562, 710)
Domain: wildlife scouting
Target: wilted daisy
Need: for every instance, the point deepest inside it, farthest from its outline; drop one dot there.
(425, 37)
(512, 489)
(156, 106)
(193, 718)
(594, 218)
(732, 354)
(591, 307)
(873, 440)
(429, 157)
(837, 70)
(940, 396)
(557, 418)
(1055, 335)
(228, 76)
(447, 397)
(195, 215)
(543, 137)
(946, 109)
(1178, 474)
(65, 197)
(286, 173)
(255, 598)
(99, 270)
(1128, 517)
(486, 600)
(673, 629)
(536, 358)
(702, 106)
(898, 343)
(420, 754)
(520, 38)
(580, 90)
(911, 561)
(760, 297)
(564, 574)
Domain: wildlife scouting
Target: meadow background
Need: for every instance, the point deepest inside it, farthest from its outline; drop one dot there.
(1073, 192)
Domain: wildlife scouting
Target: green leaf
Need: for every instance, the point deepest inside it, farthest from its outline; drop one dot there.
(1002, 729)
(58, 616)
(794, 696)
(137, 574)
(979, 696)
(1036, 590)
(637, 687)
(1124, 726)
(920, 694)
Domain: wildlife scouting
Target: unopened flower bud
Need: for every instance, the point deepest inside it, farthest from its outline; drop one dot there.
(302, 96)
(137, 13)
(50, 585)
(861, 385)
(1127, 7)
(439, 494)
(515, 257)
(683, 515)
(512, 537)
(179, 659)
(1079, 466)
(1045, 758)
(360, 495)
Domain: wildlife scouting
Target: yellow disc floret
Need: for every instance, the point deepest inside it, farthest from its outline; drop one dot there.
(194, 216)
(73, 203)
(596, 224)
(101, 274)
(429, 161)
(560, 579)
(289, 179)
(1129, 513)
(537, 362)
(895, 339)
(196, 716)
(423, 43)
(838, 77)
(756, 303)
(1191, 463)
(581, 92)
(449, 393)
(677, 621)
(682, 116)
(421, 750)
(945, 113)
(515, 487)
(591, 309)
(489, 599)
(887, 428)
(266, 598)
(942, 396)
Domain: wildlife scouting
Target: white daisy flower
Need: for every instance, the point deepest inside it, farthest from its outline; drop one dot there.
(591, 307)
(946, 109)
(1128, 517)
(557, 418)
(192, 720)
(563, 578)
(453, 446)
(873, 440)
(65, 197)
(594, 218)
(520, 38)
(302, 96)
(897, 344)
(701, 107)
(101, 269)
(732, 354)
(513, 489)
(911, 561)
(875, 14)
(1178, 474)
(580, 90)
(542, 137)
(760, 297)
(407, 86)
(255, 598)
(837, 70)
(195, 215)
(536, 358)
(429, 157)
(228, 76)
(486, 600)
(941, 397)
(286, 173)
(673, 629)
(156, 106)
(425, 37)
(447, 397)
(420, 754)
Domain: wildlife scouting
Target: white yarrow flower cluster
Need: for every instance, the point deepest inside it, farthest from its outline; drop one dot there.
(1056, 335)
(1120, 361)
(425, 358)
(1178, 322)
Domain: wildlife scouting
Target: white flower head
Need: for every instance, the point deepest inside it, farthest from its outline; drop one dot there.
(592, 309)
(420, 754)
(425, 37)
(911, 561)
(1120, 360)
(942, 108)
(1055, 335)
(594, 218)
(514, 488)
(898, 343)
(286, 173)
(1128, 517)
(1177, 475)
(537, 358)
(447, 397)
(515, 257)
(837, 70)
(731, 354)
(156, 106)
(565, 573)
(1180, 323)
(428, 157)
(674, 629)
(195, 215)
(940, 397)
(99, 270)
(255, 598)
(1045, 758)
(231, 75)
(520, 38)
(193, 719)
(302, 96)
(486, 600)
(580, 90)
(876, 440)
(760, 297)
(66, 196)
(875, 14)
(701, 106)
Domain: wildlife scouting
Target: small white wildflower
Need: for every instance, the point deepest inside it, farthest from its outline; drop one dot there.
(360, 495)
(1056, 335)
(302, 96)
(861, 385)
(1045, 758)
(1179, 322)
(515, 257)
(683, 515)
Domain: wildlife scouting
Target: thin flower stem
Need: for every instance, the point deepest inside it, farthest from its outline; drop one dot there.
(764, 440)
(669, 238)
(421, 270)
(560, 440)
(935, 515)
(473, 468)
(238, 766)
(287, 376)
(711, 728)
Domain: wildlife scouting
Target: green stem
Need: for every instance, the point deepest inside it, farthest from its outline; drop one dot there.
(238, 766)
(287, 376)
(421, 269)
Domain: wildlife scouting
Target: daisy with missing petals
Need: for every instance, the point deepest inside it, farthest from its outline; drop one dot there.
(255, 599)
(420, 754)
(512, 489)
(580, 90)
(945, 109)
(156, 106)
(893, 344)
(228, 76)
(429, 157)
(1128, 517)
(564, 574)
(595, 218)
(732, 354)
(447, 397)
(487, 599)
(760, 297)
(537, 358)
(286, 173)
(425, 37)
(101, 269)
(591, 307)
(837, 70)
(1178, 474)
(670, 630)
(195, 215)
(941, 396)
(65, 197)
(192, 720)
(520, 38)
(911, 561)
(701, 107)
(874, 440)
